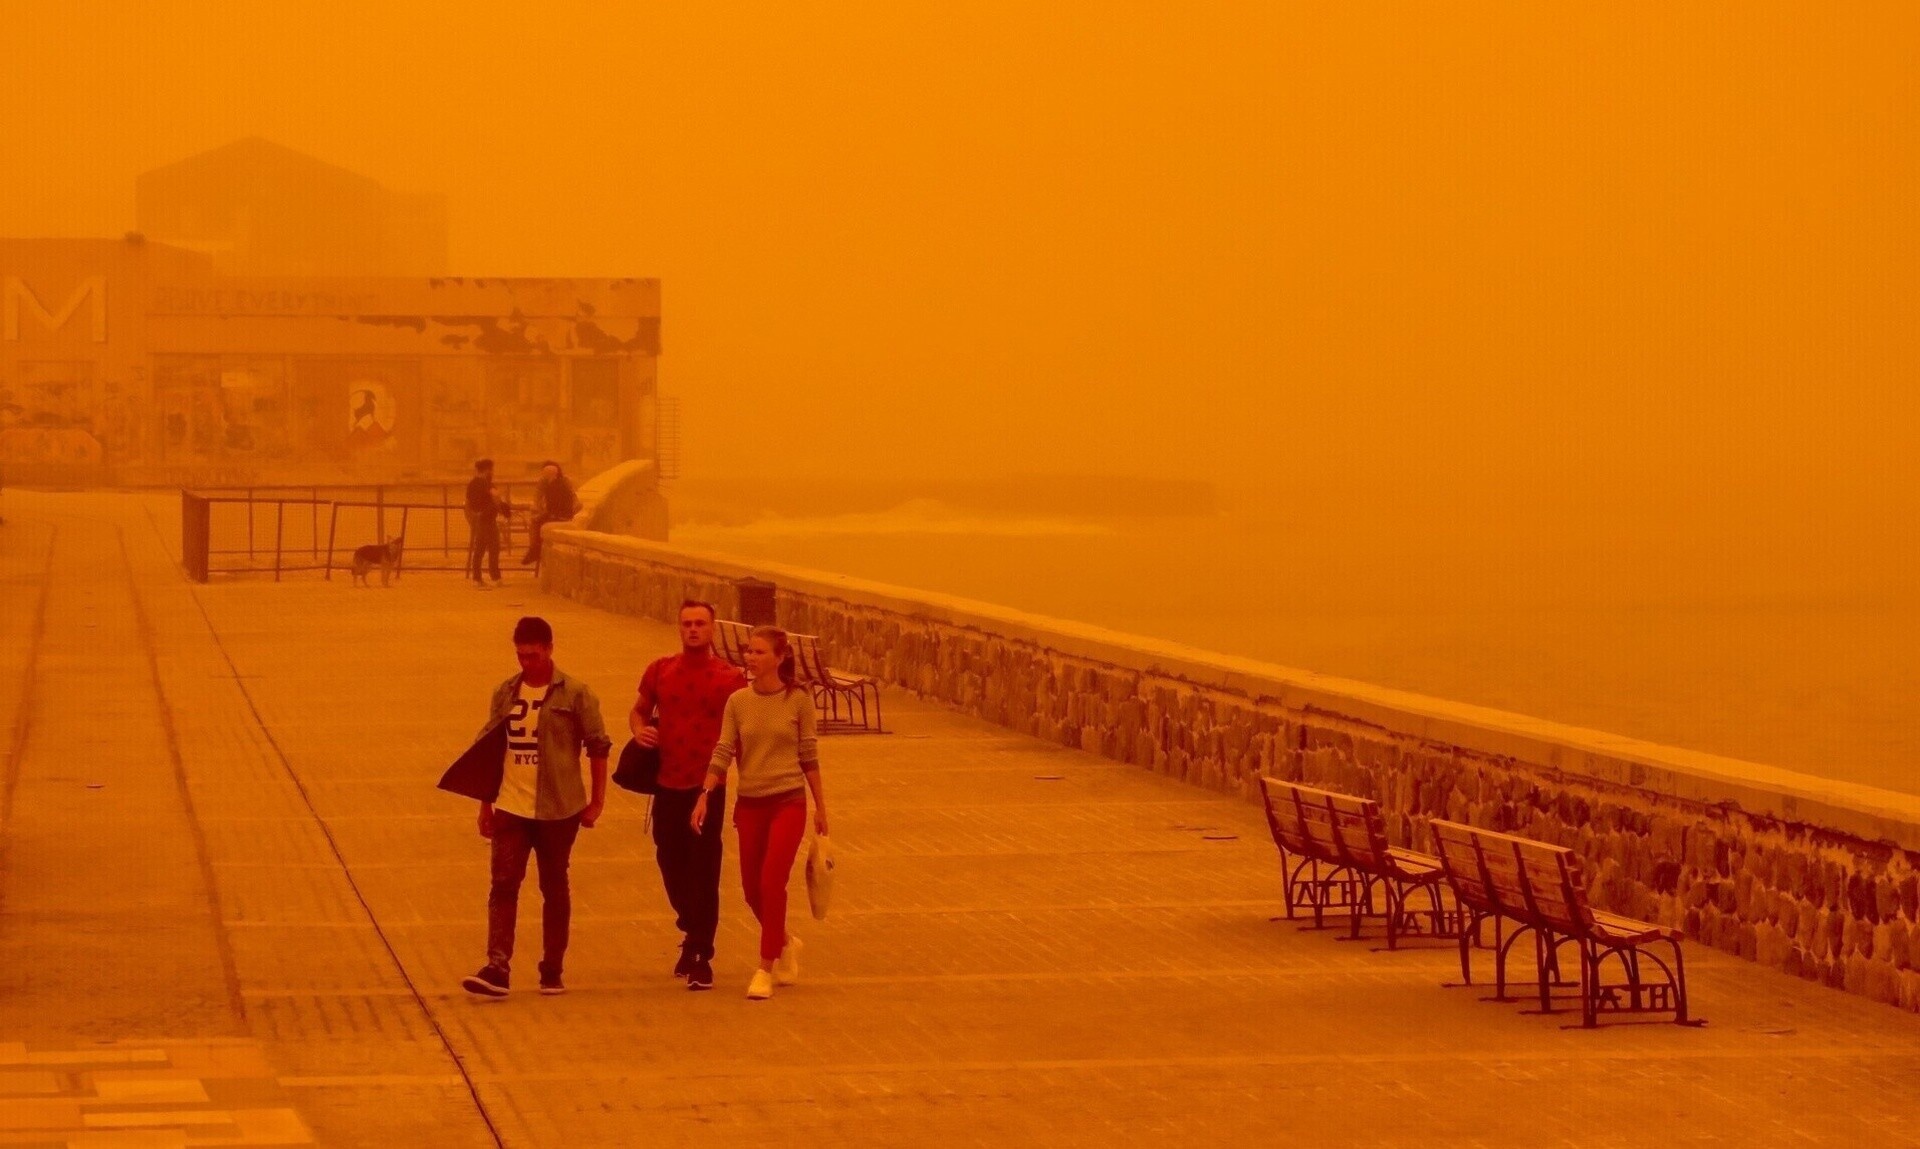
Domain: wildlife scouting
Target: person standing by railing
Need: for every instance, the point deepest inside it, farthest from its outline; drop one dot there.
(483, 526)
(773, 722)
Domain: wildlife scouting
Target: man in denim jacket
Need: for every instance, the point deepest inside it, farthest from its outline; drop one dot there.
(542, 804)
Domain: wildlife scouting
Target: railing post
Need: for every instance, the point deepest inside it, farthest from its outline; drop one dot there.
(193, 535)
(333, 526)
(279, 534)
(249, 526)
(506, 543)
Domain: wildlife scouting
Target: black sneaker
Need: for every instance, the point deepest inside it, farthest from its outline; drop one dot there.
(684, 966)
(489, 982)
(700, 974)
(551, 985)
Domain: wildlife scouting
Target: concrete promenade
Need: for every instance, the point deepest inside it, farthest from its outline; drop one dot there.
(234, 911)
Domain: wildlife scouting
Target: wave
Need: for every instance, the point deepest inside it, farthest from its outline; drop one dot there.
(914, 517)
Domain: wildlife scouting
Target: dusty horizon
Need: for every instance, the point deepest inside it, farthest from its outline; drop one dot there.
(1478, 250)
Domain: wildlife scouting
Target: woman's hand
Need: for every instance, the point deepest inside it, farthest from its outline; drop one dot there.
(820, 820)
(699, 819)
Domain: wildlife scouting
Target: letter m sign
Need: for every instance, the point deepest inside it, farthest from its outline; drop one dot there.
(19, 295)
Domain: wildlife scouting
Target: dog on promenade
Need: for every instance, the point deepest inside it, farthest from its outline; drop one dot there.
(385, 555)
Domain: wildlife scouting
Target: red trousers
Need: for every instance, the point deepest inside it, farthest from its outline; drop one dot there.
(770, 832)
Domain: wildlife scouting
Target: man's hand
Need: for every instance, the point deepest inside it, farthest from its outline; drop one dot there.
(486, 820)
(591, 814)
(648, 736)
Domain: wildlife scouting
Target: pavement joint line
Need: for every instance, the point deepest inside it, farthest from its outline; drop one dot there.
(1491, 1059)
(1421, 976)
(286, 764)
(875, 912)
(23, 721)
(143, 626)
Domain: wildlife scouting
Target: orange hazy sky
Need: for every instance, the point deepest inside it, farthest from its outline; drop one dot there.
(1500, 245)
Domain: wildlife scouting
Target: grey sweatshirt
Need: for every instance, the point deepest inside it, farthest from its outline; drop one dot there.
(777, 739)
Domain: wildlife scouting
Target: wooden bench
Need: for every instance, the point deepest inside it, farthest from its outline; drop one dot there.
(1541, 889)
(848, 703)
(1334, 854)
(837, 693)
(730, 640)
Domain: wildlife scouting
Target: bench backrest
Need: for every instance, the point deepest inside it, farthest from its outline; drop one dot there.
(1519, 878)
(1323, 824)
(730, 642)
(809, 665)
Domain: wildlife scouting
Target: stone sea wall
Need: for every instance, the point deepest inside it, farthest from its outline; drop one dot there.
(1820, 879)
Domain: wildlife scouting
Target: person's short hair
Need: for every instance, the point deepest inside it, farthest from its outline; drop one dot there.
(532, 629)
(483, 465)
(706, 606)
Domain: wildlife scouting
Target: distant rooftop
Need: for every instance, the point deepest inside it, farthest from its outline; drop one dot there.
(256, 207)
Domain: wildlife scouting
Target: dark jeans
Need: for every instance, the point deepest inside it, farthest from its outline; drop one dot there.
(533, 551)
(551, 842)
(484, 541)
(690, 863)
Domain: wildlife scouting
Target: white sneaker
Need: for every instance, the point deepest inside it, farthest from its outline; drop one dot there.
(786, 967)
(761, 987)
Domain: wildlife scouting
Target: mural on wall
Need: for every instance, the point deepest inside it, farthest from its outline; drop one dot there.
(47, 415)
(220, 408)
(523, 409)
(369, 415)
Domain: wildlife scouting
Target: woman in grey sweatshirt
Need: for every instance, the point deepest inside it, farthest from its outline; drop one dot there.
(770, 725)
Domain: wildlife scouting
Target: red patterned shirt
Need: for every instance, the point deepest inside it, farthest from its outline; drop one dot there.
(690, 693)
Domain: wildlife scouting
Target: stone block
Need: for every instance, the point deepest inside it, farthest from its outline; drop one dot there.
(1810, 926)
(1854, 974)
(1860, 898)
(1856, 935)
(1910, 990)
(1883, 983)
(1886, 897)
(1788, 909)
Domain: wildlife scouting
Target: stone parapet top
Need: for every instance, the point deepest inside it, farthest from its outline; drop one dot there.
(1866, 812)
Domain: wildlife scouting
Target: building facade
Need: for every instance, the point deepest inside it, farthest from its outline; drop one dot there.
(128, 362)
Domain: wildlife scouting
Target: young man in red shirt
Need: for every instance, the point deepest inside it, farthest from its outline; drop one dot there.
(689, 692)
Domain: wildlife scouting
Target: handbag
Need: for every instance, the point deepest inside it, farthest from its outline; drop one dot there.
(639, 768)
(819, 875)
(477, 773)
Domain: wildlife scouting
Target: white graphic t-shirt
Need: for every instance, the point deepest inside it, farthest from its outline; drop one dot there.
(520, 781)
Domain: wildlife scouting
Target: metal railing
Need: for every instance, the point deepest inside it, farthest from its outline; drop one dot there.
(283, 530)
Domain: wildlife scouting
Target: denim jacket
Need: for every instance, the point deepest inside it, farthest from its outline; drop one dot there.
(569, 722)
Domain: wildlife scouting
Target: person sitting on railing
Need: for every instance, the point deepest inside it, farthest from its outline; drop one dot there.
(553, 502)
